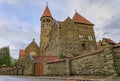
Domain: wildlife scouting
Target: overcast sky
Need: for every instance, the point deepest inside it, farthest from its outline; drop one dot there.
(20, 19)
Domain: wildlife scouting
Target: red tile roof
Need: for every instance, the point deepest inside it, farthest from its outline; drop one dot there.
(69, 55)
(22, 52)
(80, 19)
(47, 12)
(45, 58)
(119, 43)
(61, 60)
(59, 22)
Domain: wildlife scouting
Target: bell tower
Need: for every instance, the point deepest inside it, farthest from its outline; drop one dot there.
(46, 26)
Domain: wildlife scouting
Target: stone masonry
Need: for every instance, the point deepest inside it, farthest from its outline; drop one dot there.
(99, 63)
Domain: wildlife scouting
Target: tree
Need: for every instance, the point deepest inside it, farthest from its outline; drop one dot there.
(5, 56)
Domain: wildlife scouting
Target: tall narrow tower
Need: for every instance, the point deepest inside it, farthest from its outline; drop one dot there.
(46, 26)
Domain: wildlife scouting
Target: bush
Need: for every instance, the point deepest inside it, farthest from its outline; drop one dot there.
(75, 54)
(63, 55)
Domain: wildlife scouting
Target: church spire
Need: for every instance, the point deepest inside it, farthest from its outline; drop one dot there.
(47, 12)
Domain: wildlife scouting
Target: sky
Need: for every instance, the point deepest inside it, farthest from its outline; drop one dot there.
(20, 19)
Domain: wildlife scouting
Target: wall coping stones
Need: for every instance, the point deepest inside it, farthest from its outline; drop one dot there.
(82, 56)
(89, 54)
(62, 60)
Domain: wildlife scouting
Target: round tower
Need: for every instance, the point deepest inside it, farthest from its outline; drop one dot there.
(46, 26)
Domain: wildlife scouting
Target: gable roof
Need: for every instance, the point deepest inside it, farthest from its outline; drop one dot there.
(22, 52)
(32, 44)
(47, 12)
(109, 41)
(80, 19)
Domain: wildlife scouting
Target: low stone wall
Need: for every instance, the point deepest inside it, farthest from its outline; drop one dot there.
(57, 68)
(28, 70)
(117, 59)
(99, 63)
(16, 70)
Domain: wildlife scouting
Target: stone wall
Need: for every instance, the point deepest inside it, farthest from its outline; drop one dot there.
(117, 59)
(57, 68)
(29, 69)
(99, 63)
(16, 70)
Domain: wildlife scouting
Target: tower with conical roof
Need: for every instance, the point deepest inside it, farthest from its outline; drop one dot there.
(46, 26)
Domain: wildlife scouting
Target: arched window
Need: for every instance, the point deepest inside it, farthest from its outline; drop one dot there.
(43, 20)
(90, 37)
(48, 20)
(83, 47)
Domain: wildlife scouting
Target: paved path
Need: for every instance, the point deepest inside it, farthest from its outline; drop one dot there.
(24, 78)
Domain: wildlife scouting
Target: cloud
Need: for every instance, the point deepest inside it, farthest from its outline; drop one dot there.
(12, 2)
(20, 19)
(16, 32)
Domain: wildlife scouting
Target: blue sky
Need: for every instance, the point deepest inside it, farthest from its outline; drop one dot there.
(20, 19)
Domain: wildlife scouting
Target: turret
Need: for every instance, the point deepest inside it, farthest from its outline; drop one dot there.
(46, 26)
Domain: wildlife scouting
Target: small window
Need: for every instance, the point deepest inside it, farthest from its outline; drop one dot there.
(43, 20)
(80, 36)
(90, 37)
(48, 20)
(68, 25)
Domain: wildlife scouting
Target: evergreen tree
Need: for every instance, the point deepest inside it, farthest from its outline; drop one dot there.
(5, 56)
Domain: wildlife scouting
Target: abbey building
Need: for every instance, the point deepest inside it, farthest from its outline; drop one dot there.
(73, 35)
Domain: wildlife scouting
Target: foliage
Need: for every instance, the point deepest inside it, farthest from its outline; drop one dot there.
(5, 56)
(75, 54)
(63, 55)
(13, 61)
